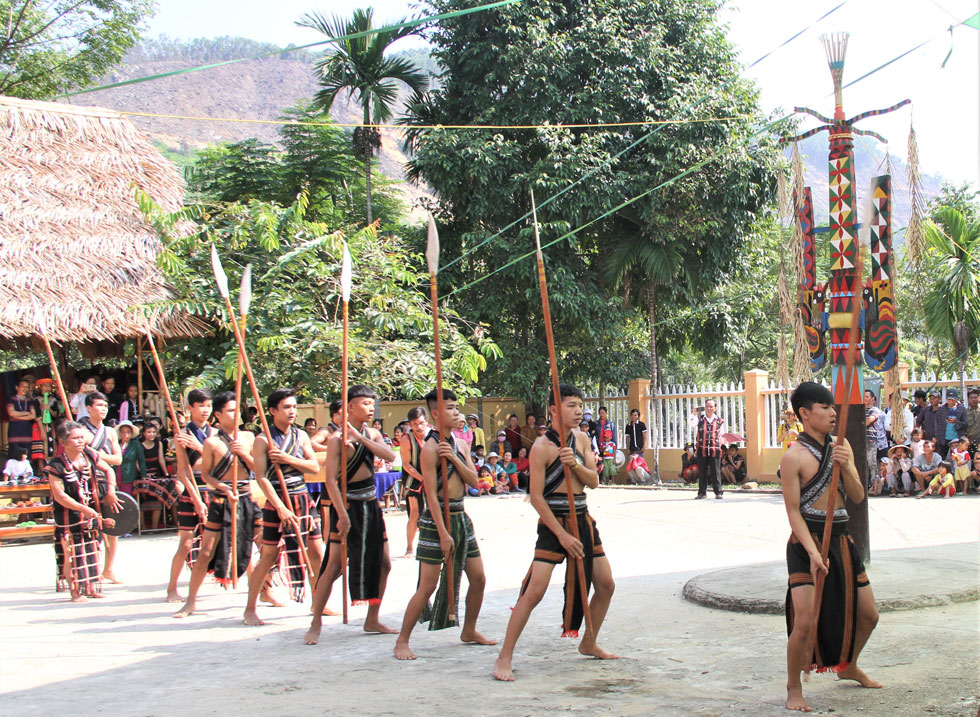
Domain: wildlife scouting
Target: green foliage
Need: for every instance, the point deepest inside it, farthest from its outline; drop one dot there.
(565, 62)
(63, 45)
(295, 323)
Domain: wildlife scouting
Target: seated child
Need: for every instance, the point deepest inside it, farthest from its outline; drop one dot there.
(484, 482)
(879, 480)
(17, 465)
(960, 458)
(942, 483)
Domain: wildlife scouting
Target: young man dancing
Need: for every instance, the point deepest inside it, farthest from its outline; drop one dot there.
(362, 523)
(555, 541)
(847, 611)
(191, 509)
(224, 453)
(103, 440)
(437, 541)
(289, 517)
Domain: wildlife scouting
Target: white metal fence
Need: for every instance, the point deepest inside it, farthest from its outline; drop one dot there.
(677, 404)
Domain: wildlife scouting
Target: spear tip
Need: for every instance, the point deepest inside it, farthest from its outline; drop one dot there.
(537, 237)
(346, 274)
(432, 247)
(219, 273)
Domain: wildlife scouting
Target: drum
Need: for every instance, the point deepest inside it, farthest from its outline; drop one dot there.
(126, 519)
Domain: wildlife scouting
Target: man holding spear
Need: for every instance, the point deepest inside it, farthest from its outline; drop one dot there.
(846, 614)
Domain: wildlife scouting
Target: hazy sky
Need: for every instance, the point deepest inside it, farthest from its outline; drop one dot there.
(945, 101)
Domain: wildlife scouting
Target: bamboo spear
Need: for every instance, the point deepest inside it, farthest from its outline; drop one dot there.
(244, 300)
(171, 411)
(345, 287)
(221, 279)
(549, 334)
(432, 258)
(850, 373)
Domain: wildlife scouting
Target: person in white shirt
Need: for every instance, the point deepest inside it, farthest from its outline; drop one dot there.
(77, 401)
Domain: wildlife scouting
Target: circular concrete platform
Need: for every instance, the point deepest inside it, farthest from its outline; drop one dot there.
(902, 580)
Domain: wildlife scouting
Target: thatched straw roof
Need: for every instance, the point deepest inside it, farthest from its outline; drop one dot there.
(76, 256)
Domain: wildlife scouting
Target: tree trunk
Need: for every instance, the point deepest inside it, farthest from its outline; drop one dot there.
(654, 382)
(369, 150)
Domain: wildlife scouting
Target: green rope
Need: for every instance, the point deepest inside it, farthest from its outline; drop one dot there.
(351, 36)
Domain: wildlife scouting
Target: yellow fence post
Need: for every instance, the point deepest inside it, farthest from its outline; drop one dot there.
(756, 381)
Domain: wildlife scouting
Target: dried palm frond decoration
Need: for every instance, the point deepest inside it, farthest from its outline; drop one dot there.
(76, 255)
(896, 404)
(782, 366)
(786, 303)
(914, 236)
(801, 352)
(799, 176)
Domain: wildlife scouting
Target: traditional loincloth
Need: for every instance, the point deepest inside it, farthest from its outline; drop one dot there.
(188, 519)
(219, 521)
(429, 551)
(365, 542)
(163, 489)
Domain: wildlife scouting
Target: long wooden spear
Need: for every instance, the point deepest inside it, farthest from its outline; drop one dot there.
(850, 373)
(171, 411)
(432, 258)
(244, 300)
(549, 334)
(221, 279)
(346, 280)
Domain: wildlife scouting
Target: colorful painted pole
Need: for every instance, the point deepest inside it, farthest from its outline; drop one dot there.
(579, 565)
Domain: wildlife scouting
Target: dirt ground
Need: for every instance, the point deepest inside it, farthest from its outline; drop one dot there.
(126, 655)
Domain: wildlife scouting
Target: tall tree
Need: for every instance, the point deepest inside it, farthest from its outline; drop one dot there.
(62, 45)
(563, 62)
(358, 66)
(952, 303)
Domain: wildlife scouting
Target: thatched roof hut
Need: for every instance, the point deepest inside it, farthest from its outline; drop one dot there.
(77, 257)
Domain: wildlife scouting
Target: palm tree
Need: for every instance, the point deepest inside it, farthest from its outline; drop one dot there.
(952, 304)
(358, 65)
(641, 266)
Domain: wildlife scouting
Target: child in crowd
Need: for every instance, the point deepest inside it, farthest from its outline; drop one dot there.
(484, 482)
(18, 467)
(975, 473)
(943, 482)
(899, 471)
(879, 479)
(960, 458)
(689, 466)
(916, 443)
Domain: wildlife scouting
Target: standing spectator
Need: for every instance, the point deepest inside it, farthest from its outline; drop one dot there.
(529, 432)
(464, 435)
(109, 389)
(512, 433)
(877, 444)
(133, 466)
(919, 403)
(608, 444)
(22, 412)
(952, 417)
(501, 445)
(973, 418)
(933, 428)
(479, 437)
(789, 430)
(129, 406)
(959, 456)
(916, 443)
(907, 418)
(707, 448)
(926, 465)
(587, 418)
(636, 434)
(77, 401)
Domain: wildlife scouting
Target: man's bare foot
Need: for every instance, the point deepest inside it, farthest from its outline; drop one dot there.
(312, 635)
(251, 619)
(795, 701)
(403, 651)
(111, 578)
(593, 650)
(376, 627)
(853, 672)
(187, 609)
(79, 598)
(472, 637)
(502, 670)
(174, 596)
(267, 598)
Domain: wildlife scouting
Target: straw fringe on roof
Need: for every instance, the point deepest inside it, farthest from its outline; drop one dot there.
(76, 257)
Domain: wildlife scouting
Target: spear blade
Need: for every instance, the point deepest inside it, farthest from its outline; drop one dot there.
(346, 274)
(432, 247)
(537, 237)
(245, 294)
(219, 273)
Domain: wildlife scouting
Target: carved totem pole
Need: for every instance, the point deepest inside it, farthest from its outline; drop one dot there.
(827, 307)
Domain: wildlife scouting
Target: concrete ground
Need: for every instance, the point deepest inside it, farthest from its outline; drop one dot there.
(126, 655)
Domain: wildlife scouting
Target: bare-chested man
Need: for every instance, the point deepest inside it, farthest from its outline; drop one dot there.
(847, 613)
(362, 523)
(555, 541)
(226, 462)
